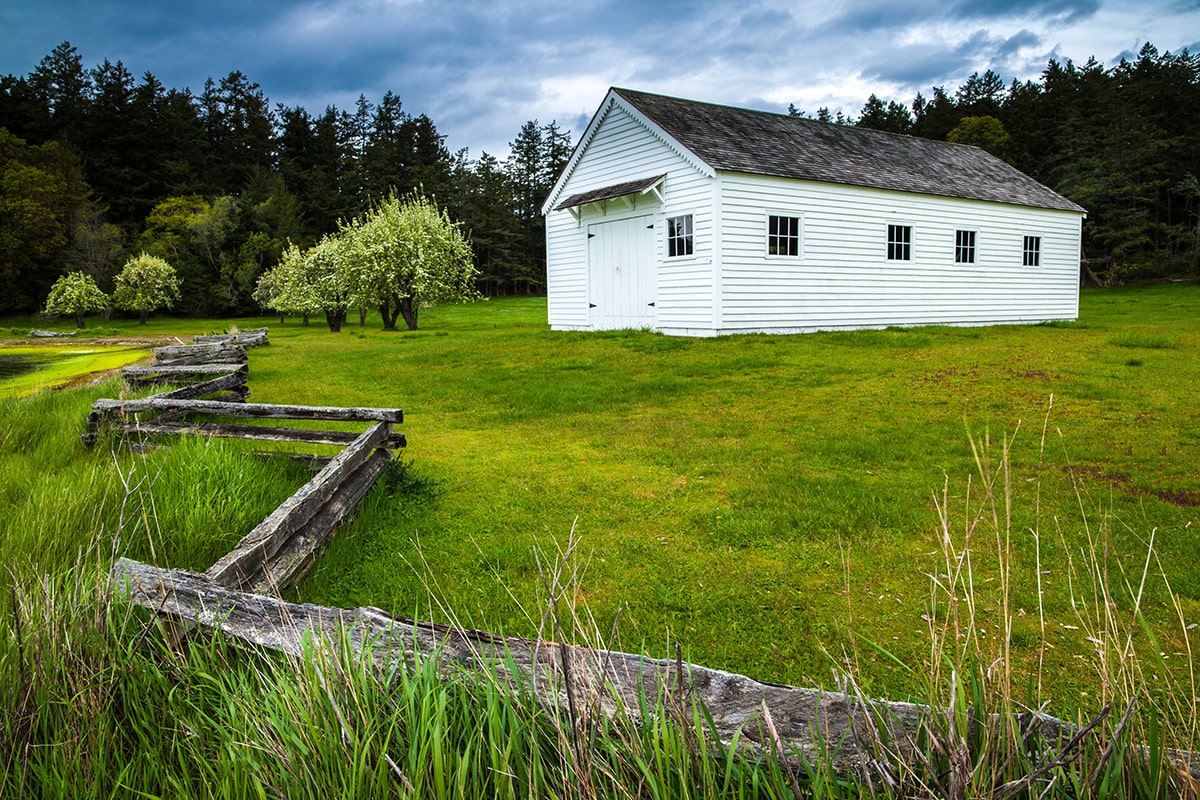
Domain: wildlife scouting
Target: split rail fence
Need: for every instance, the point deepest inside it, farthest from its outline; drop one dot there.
(211, 377)
(239, 594)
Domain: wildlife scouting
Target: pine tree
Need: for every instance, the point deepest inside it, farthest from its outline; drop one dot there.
(61, 82)
(385, 161)
(239, 127)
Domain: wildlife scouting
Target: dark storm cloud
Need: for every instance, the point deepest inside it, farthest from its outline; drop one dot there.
(880, 15)
(481, 68)
(925, 66)
(1057, 10)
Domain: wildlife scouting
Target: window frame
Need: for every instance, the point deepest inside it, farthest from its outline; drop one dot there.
(686, 240)
(1031, 251)
(797, 237)
(899, 249)
(965, 252)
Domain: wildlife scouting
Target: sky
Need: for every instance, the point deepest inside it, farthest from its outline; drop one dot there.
(480, 69)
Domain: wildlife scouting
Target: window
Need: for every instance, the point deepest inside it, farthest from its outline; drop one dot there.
(783, 236)
(679, 236)
(964, 247)
(1032, 252)
(899, 243)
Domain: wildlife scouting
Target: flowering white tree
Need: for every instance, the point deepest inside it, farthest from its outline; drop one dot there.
(404, 256)
(74, 295)
(407, 255)
(307, 282)
(146, 283)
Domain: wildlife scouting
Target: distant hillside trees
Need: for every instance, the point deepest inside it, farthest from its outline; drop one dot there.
(43, 199)
(1123, 142)
(97, 165)
(100, 164)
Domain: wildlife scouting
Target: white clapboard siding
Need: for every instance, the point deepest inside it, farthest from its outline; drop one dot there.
(843, 278)
(623, 149)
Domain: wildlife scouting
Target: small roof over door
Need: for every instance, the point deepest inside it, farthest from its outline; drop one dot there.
(640, 186)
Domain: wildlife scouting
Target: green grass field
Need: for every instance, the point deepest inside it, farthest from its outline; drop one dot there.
(984, 518)
(769, 502)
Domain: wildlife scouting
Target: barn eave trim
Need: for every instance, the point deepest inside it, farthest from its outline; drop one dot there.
(636, 187)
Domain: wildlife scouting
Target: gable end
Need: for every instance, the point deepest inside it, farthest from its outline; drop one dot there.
(611, 102)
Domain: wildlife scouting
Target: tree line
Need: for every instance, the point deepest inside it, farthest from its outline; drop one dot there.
(1123, 142)
(98, 167)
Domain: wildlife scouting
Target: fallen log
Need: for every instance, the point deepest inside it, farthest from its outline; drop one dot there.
(109, 407)
(242, 567)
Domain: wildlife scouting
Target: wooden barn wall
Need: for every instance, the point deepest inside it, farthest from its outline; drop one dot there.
(624, 150)
(843, 278)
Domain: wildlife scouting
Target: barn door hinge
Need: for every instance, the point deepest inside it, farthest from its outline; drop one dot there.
(650, 304)
(591, 305)
(591, 236)
(650, 226)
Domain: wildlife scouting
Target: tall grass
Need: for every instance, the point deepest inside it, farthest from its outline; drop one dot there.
(102, 699)
(988, 700)
(1039, 598)
(98, 698)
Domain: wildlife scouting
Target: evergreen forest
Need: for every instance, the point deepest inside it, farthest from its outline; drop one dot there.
(97, 165)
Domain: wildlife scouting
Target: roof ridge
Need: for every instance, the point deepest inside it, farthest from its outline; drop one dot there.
(854, 129)
(754, 141)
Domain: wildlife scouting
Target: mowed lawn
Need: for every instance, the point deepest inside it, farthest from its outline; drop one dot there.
(769, 501)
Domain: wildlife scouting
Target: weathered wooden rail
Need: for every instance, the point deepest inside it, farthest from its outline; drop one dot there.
(254, 338)
(273, 554)
(211, 378)
(221, 352)
(600, 680)
(239, 595)
(854, 733)
(276, 552)
(166, 412)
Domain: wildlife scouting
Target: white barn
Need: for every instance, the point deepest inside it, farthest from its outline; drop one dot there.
(700, 220)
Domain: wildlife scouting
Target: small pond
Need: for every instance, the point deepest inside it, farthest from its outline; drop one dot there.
(28, 368)
(12, 366)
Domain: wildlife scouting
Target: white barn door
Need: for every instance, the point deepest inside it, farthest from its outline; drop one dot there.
(622, 273)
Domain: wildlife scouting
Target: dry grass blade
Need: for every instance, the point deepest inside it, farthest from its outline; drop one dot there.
(1065, 756)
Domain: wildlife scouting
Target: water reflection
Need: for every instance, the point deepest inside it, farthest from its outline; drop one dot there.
(12, 366)
(20, 366)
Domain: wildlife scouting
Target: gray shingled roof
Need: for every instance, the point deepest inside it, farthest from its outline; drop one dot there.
(609, 192)
(762, 143)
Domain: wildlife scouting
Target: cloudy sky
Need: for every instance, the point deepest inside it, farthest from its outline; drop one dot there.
(480, 68)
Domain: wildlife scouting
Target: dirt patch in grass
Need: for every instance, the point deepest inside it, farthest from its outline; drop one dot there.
(1176, 497)
(1179, 497)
